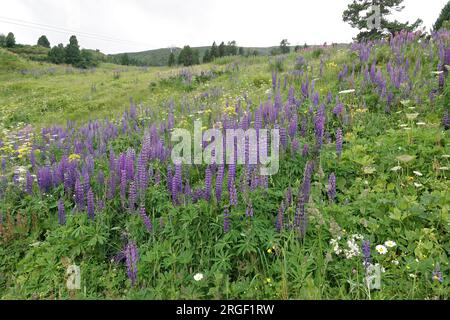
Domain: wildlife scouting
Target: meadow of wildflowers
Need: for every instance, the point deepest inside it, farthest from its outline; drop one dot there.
(362, 184)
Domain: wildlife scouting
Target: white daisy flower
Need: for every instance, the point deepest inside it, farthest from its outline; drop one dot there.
(418, 173)
(390, 244)
(198, 277)
(381, 249)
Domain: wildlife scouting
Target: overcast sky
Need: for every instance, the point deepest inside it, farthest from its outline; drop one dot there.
(136, 25)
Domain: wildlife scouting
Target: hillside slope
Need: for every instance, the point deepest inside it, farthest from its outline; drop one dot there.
(160, 57)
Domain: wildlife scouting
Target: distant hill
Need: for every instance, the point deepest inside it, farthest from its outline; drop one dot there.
(160, 57)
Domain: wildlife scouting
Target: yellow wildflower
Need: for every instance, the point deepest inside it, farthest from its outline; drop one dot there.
(74, 157)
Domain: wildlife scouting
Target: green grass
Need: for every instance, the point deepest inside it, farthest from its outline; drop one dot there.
(160, 57)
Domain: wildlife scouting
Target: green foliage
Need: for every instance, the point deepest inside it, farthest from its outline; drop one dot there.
(443, 17)
(188, 57)
(35, 53)
(355, 17)
(11, 62)
(207, 57)
(231, 49)
(43, 42)
(171, 59)
(10, 40)
(214, 51)
(277, 64)
(284, 46)
(221, 50)
(57, 54)
(2, 40)
(73, 55)
(87, 60)
(125, 60)
(317, 53)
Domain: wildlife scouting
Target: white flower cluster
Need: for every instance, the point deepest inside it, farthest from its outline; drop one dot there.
(383, 249)
(353, 248)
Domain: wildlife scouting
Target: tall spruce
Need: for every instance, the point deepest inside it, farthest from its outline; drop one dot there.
(171, 61)
(359, 14)
(73, 55)
(214, 51)
(222, 49)
(443, 17)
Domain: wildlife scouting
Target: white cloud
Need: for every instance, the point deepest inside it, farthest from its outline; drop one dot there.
(154, 24)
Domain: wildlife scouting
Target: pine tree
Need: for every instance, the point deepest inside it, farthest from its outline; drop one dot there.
(355, 16)
(222, 49)
(214, 51)
(207, 56)
(443, 17)
(195, 56)
(10, 40)
(284, 46)
(188, 57)
(231, 49)
(73, 55)
(171, 59)
(43, 42)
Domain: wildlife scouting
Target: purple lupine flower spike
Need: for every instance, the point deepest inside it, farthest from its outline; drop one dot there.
(79, 195)
(147, 222)
(339, 142)
(90, 204)
(208, 182)
(280, 219)
(131, 259)
(305, 151)
(132, 198)
(123, 186)
(332, 187)
(233, 194)
(29, 183)
(366, 253)
(219, 182)
(61, 212)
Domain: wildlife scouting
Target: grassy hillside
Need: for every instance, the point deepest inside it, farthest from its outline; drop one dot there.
(362, 186)
(14, 62)
(160, 57)
(35, 53)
